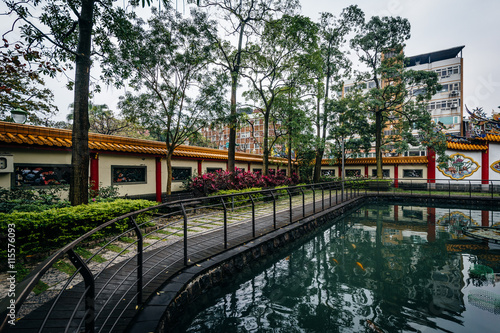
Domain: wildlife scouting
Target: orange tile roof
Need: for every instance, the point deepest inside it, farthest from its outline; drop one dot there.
(385, 160)
(465, 146)
(52, 137)
(490, 137)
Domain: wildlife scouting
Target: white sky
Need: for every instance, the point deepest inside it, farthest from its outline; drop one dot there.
(436, 25)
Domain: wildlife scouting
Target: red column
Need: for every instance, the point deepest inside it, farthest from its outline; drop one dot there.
(158, 179)
(94, 171)
(431, 166)
(431, 224)
(200, 169)
(485, 165)
(396, 213)
(366, 170)
(485, 218)
(396, 176)
(249, 166)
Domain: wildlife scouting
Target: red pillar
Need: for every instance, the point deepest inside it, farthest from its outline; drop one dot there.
(366, 170)
(485, 218)
(396, 176)
(485, 165)
(200, 169)
(249, 167)
(431, 224)
(431, 166)
(396, 213)
(158, 179)
(94, 171)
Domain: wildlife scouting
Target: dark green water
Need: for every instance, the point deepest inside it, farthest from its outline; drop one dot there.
(382, 268)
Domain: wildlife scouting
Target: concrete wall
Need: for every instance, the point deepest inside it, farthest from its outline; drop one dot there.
(494, 156)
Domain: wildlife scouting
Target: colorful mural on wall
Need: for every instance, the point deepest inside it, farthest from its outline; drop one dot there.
(496, 166)
(459, 167)
(454, 222)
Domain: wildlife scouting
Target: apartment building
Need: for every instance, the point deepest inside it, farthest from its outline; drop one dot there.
(249, 137)
(446, 106)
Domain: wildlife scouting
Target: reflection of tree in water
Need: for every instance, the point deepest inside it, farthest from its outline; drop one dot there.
(352, 281)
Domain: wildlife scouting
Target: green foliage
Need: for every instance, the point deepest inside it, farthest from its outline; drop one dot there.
(39, 232)
(104, 193)
(23, 199)
(240, 200)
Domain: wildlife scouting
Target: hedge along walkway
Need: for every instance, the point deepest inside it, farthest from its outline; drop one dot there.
(163, 257)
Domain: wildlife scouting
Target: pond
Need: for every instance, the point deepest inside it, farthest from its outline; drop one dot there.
(381, 268)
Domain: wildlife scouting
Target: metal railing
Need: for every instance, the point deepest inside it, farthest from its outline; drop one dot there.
(436, 187)
(106, 286)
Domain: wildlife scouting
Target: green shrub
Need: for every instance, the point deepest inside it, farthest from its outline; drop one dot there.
(38, 232)
(240, 200)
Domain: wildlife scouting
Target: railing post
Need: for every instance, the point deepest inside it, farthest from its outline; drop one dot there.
(140, 242)
(303, 202)
(314, 199)
(449, 188)
(330, 190)
(290, 196)
(253, 215)
(491, 189)
(336, 194)
(274, 209)
(88, 278)
(411, 187)
(470, 190)
(225, 222)
(184, 227)
(322, 197)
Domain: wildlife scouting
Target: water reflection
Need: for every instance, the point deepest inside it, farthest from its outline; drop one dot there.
(380, 269)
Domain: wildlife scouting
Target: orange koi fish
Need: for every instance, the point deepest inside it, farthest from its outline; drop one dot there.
(373, 327)
(287, 258)
(360, 266)
(335, 260)
(353, 246)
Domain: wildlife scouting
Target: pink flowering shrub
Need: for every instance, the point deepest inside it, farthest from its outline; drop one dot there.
(221, 180)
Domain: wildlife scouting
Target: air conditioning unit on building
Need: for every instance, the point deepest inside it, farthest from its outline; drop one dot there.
(454, 93)
(6, 163)
(454, 106)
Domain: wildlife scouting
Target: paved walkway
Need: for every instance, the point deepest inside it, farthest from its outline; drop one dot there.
(115, 285)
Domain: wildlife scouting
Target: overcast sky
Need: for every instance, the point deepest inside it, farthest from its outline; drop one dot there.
(435, 25)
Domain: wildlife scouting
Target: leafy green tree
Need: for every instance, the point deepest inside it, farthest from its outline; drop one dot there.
(66, 29)
(103, 121)
(334, 66)
(390, 103)
(22, 73)
(167, 62)
(273, 61)
(241, 19)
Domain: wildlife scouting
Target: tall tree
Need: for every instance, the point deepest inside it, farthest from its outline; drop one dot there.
(334, 67)
(167, 63)
(69, 27)
(243, 18)
(272, 62)
(391, 103)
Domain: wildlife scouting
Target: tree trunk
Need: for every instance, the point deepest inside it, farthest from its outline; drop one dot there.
(289, 155)
(378, 143)
(317, 166)
(231, 150)
(319, 148)
(169, 173)
(79, 183)
(266, 144)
